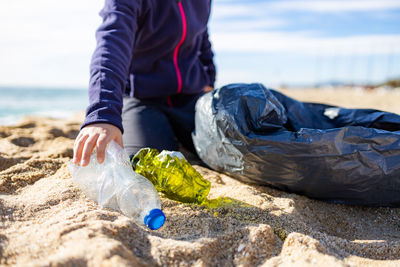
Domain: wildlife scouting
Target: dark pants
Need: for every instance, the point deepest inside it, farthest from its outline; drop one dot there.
(158, 122)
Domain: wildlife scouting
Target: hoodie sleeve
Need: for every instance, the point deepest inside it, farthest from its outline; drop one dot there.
(206, 57)
(110, 62)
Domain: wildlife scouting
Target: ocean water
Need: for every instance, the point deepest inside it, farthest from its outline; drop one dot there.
(15, 103)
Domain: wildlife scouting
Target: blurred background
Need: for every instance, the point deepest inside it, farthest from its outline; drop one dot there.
(45, 48)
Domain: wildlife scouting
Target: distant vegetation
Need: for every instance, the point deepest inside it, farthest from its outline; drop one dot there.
(392, 83)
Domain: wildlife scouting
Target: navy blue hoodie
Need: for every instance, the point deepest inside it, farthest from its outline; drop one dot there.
(154, 47)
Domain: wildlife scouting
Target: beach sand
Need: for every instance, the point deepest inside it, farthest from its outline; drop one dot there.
(47, 221)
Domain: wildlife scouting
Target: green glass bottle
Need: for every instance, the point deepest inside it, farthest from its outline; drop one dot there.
(172, 175)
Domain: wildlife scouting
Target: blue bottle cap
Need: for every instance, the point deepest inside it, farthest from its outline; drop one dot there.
(155, 219)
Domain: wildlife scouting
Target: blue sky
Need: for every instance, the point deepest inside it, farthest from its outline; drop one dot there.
(49, 43)
(306, 42)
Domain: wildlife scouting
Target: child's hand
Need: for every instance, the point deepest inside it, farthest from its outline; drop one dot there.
(95, 135)
(207, 89)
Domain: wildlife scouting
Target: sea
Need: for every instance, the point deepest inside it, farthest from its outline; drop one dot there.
(17, 102)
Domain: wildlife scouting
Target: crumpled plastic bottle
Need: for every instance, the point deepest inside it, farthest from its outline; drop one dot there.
(113, 184)
(172, 175)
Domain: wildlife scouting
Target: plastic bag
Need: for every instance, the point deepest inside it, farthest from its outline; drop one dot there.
(261, 136)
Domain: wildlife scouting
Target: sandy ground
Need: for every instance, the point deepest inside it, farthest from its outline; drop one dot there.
(47, 221)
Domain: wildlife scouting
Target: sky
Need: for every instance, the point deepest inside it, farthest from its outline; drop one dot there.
(49, 43)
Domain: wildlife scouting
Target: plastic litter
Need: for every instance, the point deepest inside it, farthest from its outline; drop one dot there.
(113, 184)
(261, 136)
(172, 175)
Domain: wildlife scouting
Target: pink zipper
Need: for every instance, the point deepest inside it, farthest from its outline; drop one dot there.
(169, 102)
(178, 72)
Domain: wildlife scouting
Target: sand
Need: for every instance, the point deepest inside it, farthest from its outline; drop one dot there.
(47, 221)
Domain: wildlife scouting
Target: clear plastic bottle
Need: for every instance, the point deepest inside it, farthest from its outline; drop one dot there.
(140, 201)
(113, 184)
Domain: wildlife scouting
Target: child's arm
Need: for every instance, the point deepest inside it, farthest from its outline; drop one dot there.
(206, 57)
(108, 72)
(110, 63)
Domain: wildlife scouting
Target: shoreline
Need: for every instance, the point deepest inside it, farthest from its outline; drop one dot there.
(381, 99)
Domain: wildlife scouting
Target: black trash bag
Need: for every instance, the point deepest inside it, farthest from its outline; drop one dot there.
(261, 136)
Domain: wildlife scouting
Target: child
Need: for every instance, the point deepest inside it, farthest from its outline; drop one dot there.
(152, 62)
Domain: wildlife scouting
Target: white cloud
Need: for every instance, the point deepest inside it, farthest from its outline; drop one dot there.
(304, 43)
(221, 11)
(237, 17)
(45, 42)
(260, 24)
(238, 26)
(251, 8)
(336, 6)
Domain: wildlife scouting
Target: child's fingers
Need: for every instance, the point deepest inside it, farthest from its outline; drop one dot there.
(78, 147)
(118, 139)
(88, 149)
(102, 142)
